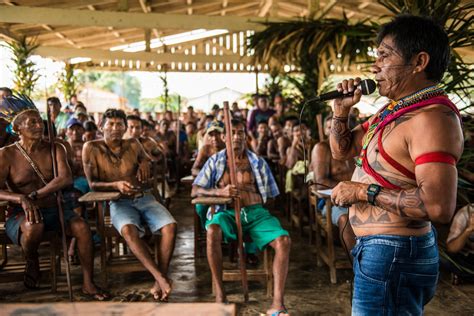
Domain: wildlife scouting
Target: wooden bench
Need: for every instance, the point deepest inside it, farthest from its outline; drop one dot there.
(264, 274)
(117, 308)
(324, 228)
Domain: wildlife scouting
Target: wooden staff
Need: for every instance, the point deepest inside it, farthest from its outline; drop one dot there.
(178, 132)
(59, 198)
(233, 181)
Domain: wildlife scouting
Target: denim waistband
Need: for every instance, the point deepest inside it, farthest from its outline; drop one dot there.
(423, 241)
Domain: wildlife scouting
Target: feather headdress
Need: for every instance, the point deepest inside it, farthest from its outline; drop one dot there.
(12, 106)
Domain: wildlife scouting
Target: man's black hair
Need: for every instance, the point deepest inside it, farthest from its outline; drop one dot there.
(235, 122)
(54, 100)
(210, 117)
(7, 90)
(262, 122)
(414, 34)
(114, 113)
(90, 126)
(133, 117)
(148, 124)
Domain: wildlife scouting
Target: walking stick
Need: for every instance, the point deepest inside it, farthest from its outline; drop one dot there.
(233, 181)
(59, 198)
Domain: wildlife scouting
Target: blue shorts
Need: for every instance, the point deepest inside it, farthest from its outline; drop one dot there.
(394, 275)
(140, 211)
(81, 184)
(336, 213)
(16, 216)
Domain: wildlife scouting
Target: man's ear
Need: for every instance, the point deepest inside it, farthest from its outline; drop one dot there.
(420, 61)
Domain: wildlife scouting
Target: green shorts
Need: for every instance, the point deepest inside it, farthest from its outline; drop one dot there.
(257, 222)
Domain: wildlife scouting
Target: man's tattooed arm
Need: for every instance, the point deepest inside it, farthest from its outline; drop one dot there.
(344, 143)
(404, 203)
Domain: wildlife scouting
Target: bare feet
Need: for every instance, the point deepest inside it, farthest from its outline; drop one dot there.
(32, 274)
(156, 291)
(162, 290)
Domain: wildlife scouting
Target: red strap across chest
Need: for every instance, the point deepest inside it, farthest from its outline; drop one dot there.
(379, 178)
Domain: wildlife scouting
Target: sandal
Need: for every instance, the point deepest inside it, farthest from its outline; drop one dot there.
(100, 295)
(278, 312)
(32, 280)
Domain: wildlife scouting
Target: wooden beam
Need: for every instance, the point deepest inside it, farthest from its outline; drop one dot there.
(122, 5)
(99, 55)
(8, 35)
(51, 16)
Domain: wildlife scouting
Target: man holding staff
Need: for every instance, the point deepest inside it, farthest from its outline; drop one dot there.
(407, 174)
(255, 184)
(27, 182)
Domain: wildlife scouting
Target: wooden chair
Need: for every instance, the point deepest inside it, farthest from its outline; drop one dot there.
(297, 198)
(323, 226)
(264, 274)
(114, 255)
(12, 272)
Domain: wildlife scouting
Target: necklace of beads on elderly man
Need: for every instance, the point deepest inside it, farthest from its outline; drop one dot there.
(393, 107)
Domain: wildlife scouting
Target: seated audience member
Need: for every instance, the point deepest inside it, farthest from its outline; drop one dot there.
(5, 92)
(28, 183)
(116, 164)
(167, 138)
(260, 143)
(328, 172)
(148, 129)
(272, 149)
(295, 152)
(58, 117)
(90, 131)
(201, 134)
(190, 116)
(255, 185)
(285, 141)
(135, 130)
(215, 143)
(459, 258)
(7, 136)
(236, 112)
(262, 113)
(279, 106)
(191, 134)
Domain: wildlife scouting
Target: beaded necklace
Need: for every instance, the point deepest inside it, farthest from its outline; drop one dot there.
(391, 108)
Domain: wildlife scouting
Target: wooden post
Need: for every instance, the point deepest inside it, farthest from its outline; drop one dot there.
(233, 181)
(319, 123)
(59, 200)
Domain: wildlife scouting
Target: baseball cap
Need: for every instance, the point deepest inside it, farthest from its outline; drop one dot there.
(73, 121)
(215, 126)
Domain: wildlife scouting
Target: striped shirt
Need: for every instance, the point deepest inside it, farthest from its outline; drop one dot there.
(214, 168)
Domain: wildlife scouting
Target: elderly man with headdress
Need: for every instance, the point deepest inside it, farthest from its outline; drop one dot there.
(406, 176)
(28, 183)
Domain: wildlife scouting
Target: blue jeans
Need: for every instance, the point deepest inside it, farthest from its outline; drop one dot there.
(394, 275)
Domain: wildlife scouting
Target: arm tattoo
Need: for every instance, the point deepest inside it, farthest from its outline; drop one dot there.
(404, 203)
(341, 132)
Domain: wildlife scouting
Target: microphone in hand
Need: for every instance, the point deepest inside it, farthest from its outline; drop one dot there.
(367, 86)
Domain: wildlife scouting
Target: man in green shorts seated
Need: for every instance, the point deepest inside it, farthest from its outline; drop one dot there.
(255, 185)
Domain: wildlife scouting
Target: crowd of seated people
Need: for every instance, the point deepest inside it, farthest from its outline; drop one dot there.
(112, 155)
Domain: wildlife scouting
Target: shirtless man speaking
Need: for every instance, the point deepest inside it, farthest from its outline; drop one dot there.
(116, 164)
(407, 169)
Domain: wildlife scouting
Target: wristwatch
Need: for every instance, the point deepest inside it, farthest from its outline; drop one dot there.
(33, 195)
(372, 191)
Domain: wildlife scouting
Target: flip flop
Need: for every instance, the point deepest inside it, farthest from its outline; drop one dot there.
(100, 295)
(30, 281)
(282, 310)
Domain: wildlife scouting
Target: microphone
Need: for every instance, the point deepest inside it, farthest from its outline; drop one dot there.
(367, 86)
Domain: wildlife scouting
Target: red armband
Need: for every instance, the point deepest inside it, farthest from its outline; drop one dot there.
(365, 126)
(437, 156)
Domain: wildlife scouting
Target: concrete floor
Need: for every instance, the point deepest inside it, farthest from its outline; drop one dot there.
(308, 290)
